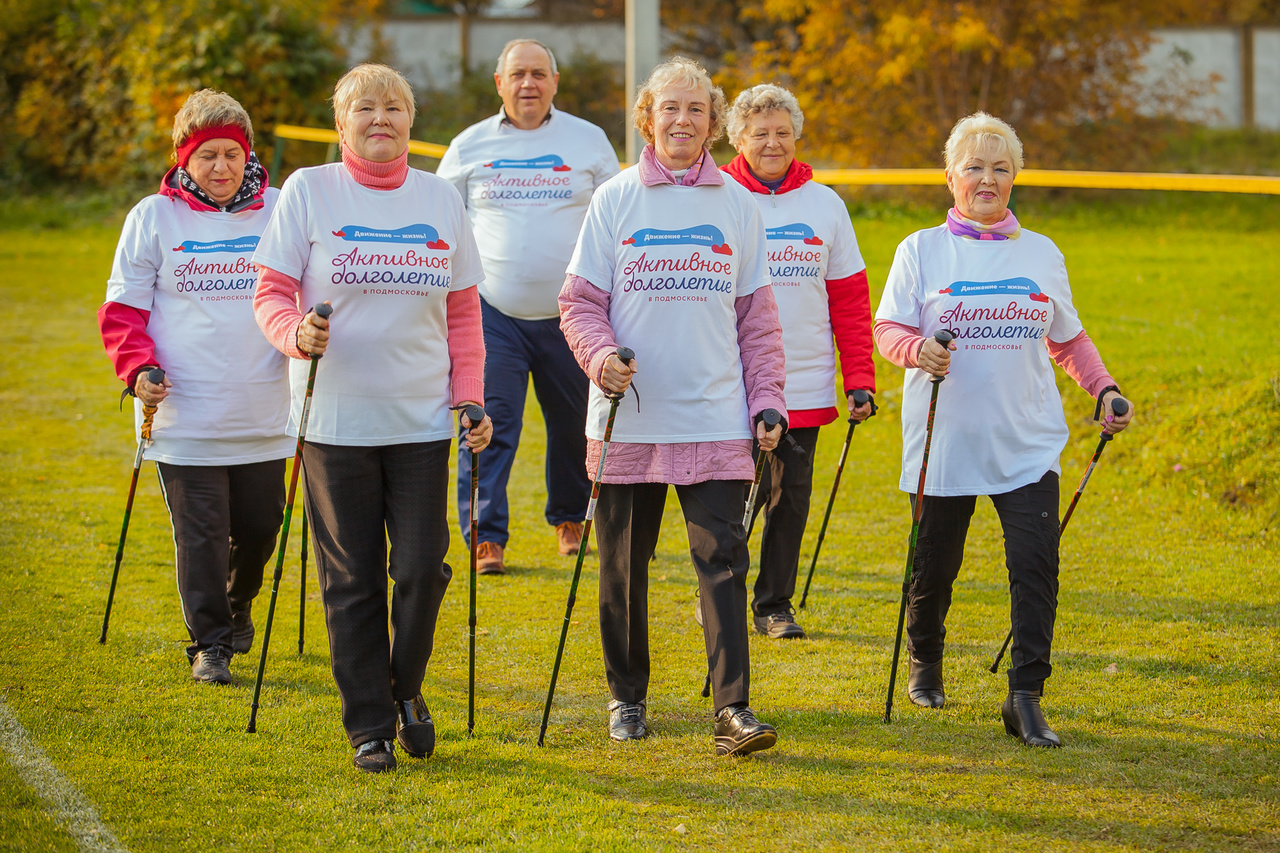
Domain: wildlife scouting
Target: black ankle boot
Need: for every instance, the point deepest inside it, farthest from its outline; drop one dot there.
(1024, 720)
(924, 684)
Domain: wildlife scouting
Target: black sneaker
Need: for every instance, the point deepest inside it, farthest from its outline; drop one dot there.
(212, 665)
(738, 732)
(375, 756)
(779, 626)
(242, 630)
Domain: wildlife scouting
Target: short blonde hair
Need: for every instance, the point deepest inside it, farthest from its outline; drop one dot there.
(975, 130)
(686, 74)
(209, 108)
(762, 99)
(370, 80)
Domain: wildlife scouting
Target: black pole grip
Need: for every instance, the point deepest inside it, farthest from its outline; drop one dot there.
(625, 355)
(771, 418)
(1120, 406)
(860, 397)
(943, 336)
(474, 413)
(156, 377)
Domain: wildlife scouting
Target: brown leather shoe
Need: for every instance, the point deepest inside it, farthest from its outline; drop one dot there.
(489, 559)
(569, 537)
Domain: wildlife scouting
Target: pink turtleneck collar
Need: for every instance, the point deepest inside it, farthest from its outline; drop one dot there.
(702, 173)
(377, 176)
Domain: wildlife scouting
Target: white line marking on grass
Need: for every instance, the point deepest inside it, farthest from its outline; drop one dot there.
(63, 802)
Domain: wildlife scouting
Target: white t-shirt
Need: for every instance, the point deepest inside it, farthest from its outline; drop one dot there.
(810, 240)
(999, 424)
(193, 271)
(674, 259)
(526, 193)
(386, 259)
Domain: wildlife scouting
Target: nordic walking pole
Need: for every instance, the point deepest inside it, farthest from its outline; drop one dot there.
(625, 355)
(302, 589)
(1121, 407)
(475, 415)
(943, 337)
(771, 418)
(323, 310)
(156, 377)
(860, 398)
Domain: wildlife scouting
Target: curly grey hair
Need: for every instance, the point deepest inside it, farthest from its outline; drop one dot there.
(762, 99)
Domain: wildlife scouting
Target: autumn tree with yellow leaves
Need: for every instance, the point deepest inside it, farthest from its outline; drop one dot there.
(882, 84)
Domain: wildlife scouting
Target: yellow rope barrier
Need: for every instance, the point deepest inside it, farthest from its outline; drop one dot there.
(1056, 178)
(320, 134)
(934, 177)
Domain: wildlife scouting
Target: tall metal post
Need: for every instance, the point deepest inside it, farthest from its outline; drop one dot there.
(643, 48)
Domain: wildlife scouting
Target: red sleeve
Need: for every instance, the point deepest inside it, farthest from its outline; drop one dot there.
(466, 346)
(899, 343)
(1080, 359)
(124, 334)
(850, 306)
(275, 307)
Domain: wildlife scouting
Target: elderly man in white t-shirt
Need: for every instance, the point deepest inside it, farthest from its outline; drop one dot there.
(527, 175)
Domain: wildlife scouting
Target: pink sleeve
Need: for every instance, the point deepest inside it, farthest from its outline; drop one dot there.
(1080, 359)
(466, 346)
(898, 342)
(124, 334)
(584, 319)
(849, 302)
(275, 306)
(764, 369)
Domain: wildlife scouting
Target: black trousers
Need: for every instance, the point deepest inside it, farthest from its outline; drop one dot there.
(225, 521)
(1029, 518)
(785, 488)
(358, 498)
(628, 520)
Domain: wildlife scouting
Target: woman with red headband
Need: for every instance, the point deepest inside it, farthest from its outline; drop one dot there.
(180, 297)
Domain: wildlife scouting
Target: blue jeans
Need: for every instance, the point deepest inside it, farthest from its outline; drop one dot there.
(514, 351)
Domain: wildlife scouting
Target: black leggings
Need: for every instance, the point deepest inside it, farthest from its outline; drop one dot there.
(628, 520)
(1029, 518)
(225, 521)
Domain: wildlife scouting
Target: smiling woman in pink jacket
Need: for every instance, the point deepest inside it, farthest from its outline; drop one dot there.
(671, 264)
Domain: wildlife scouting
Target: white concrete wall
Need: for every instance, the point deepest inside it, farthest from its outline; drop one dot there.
(427, 50)
(1211, 51)
(1266, 78)
(1216, 50)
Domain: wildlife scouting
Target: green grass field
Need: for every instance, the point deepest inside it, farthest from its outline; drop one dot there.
(1164, 689)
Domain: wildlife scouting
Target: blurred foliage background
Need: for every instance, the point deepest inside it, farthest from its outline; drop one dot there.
(88, 88)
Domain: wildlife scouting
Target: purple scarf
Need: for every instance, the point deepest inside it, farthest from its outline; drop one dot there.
(1006, 229)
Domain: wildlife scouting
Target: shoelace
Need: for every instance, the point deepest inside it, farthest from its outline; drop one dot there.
(631, 715)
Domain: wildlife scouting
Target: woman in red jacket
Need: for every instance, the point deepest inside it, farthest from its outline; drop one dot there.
(820, 283)
(180, 298)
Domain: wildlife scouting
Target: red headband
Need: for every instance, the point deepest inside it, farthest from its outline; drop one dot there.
(204, 134)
